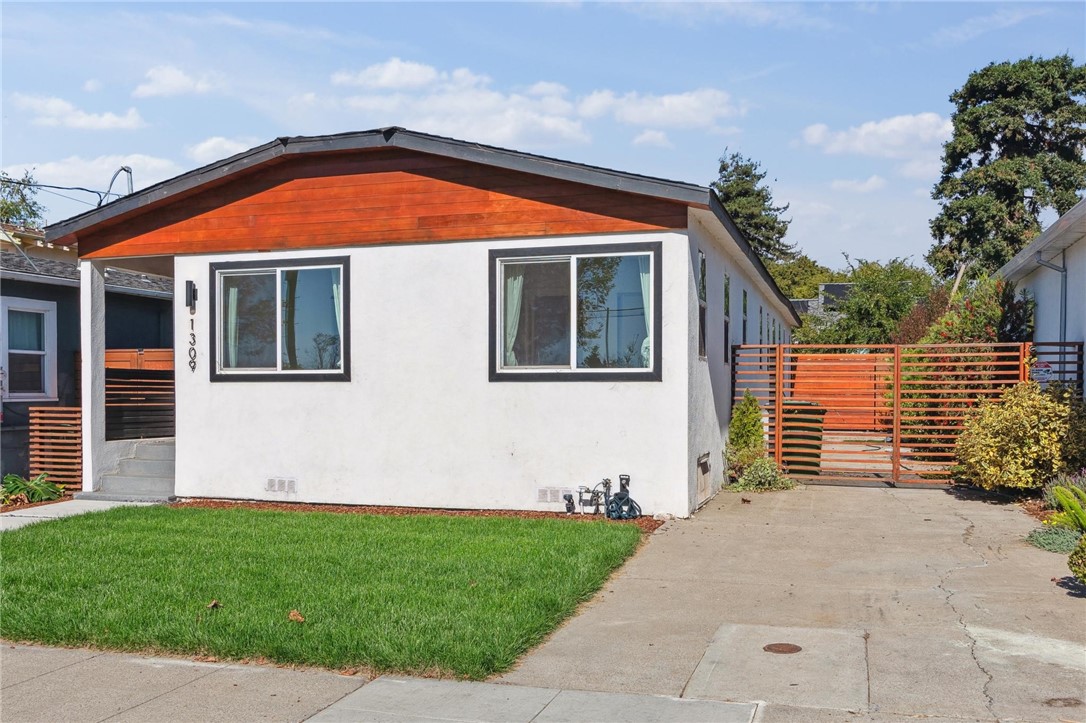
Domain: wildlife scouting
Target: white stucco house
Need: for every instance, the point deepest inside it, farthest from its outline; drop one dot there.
(1053, 268)
(394, 318)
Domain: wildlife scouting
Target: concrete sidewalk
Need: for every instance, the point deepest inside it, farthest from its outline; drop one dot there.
(39, 684)
(15, 519)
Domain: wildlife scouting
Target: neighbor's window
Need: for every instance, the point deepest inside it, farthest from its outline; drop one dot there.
(29, 349)
(583, 312)
(284, 318)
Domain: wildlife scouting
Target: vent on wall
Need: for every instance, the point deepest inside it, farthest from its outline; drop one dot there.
(551, 495)
(287, 485)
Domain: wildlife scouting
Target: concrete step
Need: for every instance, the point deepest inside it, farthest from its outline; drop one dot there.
(147, 468)
(119, 497)
(155, 450)
(136, 485)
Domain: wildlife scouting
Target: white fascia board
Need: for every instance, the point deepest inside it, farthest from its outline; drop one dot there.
(1067, 230)
(74, 283)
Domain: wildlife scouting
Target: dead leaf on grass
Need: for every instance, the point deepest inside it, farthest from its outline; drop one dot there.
(296, 616)
(214, 604)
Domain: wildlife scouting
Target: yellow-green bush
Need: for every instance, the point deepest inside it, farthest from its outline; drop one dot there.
(1023, 440)
(1077, 561)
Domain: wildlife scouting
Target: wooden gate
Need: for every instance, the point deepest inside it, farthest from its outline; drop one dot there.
(886, 414)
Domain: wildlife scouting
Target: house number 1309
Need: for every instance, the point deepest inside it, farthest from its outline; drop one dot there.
(192, 344)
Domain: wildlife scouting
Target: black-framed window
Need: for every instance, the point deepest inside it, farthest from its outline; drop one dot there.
(744, 316)
(703, 304)
(727, 318)
(282, 320)
(576, 313)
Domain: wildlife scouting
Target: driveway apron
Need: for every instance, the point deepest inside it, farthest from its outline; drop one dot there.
(902, 602)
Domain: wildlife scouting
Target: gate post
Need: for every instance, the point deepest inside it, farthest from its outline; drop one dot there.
(1025, 350)
(778, 405)
(895, 473)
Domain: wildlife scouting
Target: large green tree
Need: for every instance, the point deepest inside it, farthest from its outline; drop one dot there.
(881, 296)
(741, 188)
(17, 203)
(1017, 149)
(799, 278)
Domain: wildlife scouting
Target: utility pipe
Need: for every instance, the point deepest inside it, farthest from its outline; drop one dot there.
(1063, 289)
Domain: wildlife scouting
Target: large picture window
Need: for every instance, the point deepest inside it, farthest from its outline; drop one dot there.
(588, 312)
(29, 349)
(282, 320)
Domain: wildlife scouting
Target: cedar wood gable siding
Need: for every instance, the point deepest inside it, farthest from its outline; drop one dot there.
(372, 197)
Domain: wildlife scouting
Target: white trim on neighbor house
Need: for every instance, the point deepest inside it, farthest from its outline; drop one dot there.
(1053, 268)
(48, 311)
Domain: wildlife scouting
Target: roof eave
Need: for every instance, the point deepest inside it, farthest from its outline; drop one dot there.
(744, 246)
(1067, 230)
(685, 193)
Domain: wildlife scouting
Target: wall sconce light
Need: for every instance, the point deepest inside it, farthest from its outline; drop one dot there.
(190, 296)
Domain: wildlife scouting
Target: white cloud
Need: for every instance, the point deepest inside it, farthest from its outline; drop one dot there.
(92, 85)
(57, 112)
(915, 141)
(651, 137)
(874, 183)
(460, 102)
(217, 147)
(169, 80)
(982, 24)
(694, 109)
(393, 74)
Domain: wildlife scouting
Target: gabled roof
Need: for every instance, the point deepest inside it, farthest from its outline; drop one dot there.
(395, 137)
(691, 195)
(1067, 230)
(17, 267)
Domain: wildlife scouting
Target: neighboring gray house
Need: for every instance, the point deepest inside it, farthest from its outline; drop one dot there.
(39, 329)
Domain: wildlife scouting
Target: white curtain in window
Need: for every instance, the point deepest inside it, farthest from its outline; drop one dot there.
(644, 264)
(514, 287)
(337, 300)
(232, 328)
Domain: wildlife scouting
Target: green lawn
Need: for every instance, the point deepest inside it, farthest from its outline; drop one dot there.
(462, 595)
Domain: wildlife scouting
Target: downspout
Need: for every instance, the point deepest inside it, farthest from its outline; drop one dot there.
(1063, 289)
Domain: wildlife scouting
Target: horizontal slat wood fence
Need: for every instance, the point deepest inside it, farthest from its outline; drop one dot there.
(884, 413)
(139, 403)
(56, 444)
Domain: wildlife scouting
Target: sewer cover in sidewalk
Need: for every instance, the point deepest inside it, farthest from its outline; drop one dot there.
(829, 670)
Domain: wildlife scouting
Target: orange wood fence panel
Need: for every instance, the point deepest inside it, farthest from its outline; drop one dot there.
(56, 444)
(884, 413)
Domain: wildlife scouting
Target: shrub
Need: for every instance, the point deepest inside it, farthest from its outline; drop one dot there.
(991, 311)
(1077, 561)
(763, 474)
(1070, 501)
(746, 438)
(1064, 479)
(1054, 539)
(1021, 441)
(38, 489)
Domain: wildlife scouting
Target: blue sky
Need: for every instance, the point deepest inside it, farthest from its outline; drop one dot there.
(844, 104)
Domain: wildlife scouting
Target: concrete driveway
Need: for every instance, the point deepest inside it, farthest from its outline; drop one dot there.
(905, 603)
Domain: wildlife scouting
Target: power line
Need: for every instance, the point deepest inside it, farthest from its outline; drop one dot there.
(102, 195)
(70, 198)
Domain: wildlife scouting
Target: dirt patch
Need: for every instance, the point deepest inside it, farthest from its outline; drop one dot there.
(647, 524)
(1037, 509)
(67, 495)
